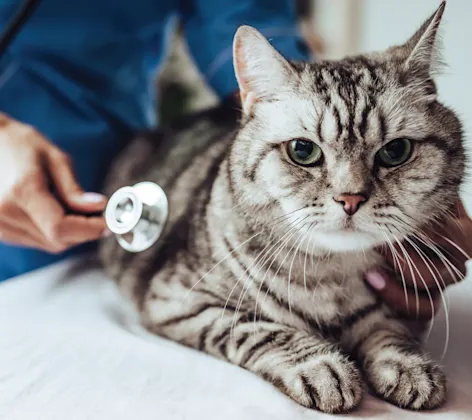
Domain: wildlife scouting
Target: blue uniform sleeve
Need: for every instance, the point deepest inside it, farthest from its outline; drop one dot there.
(210, 25)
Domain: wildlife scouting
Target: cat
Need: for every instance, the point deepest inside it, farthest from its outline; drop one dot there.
(276, 212)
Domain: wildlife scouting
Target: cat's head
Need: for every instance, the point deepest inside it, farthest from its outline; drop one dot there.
(353, 151)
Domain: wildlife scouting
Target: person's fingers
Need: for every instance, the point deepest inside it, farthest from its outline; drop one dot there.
(80, 229)
(13, 215)
(459, 210)
(14, 235)
(34, 197)
(59, 229)
(392, 292)
(428, 267)
(72, 230)
(62, 175)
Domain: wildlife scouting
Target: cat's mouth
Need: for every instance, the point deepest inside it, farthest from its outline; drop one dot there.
(347, 236)
(345, 231)
(348, 225)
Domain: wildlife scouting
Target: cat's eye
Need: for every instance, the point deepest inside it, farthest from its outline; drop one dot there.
(304, 152)
(394, 153)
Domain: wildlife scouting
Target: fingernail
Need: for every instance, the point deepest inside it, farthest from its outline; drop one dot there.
(92, 197)
(376, 280)
(107, 233)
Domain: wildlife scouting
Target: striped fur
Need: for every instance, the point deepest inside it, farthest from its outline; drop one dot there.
(258, 266)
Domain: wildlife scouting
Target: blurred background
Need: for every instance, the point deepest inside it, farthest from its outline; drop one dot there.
(334, 28)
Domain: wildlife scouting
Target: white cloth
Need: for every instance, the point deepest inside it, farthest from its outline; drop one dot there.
(69, 350)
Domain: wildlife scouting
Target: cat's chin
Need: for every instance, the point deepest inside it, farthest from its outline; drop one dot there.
(346, 241)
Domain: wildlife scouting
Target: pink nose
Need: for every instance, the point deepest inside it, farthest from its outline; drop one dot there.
(350, 202)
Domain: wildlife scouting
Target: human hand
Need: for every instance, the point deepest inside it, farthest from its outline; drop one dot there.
(30, 215)
(432, 266)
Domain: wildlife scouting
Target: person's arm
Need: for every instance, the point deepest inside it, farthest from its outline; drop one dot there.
(209, 28)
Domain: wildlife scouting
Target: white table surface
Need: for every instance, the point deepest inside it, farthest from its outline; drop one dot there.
(69, 349)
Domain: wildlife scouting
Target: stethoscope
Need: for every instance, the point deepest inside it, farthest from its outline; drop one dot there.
(24, 12)
(136, 214)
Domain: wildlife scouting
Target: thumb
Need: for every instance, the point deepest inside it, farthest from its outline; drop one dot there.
(70, 192)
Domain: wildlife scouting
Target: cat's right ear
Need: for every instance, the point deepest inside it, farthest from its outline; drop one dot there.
(422, 49)
(260, 70)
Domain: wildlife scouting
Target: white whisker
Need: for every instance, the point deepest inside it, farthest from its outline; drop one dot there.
(311, 238)
(461, 250)
(446, 307)
(290, 269)
(245, 288)
(221, 261)
(274, 257)
(450, 267)
(413, 277)
(397, 263)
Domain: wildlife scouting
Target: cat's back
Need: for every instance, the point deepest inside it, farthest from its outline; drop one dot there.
(160, 155)
(182, 159)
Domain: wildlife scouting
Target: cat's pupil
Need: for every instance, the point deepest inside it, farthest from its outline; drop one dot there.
(303, 149)
(395, 149)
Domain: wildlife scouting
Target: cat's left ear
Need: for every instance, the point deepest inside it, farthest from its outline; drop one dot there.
(422, 49)
(260, 70)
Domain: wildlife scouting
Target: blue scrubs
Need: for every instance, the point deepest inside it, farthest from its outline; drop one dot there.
(82, 73)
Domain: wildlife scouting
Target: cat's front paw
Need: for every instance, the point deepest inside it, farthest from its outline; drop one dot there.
(329, 384)
(408, 381)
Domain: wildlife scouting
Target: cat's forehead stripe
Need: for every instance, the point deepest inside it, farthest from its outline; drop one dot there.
(363, 125)
(347, 93)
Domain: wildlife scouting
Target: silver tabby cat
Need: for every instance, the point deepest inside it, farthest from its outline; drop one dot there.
(275, 216)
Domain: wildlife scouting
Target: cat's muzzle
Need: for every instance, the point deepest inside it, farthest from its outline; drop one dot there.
(137, 215)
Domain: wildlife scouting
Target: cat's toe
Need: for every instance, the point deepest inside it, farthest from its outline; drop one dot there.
(411, 383)
(331, 385)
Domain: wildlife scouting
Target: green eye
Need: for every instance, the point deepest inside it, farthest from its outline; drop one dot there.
(304, 152)
(394, 153)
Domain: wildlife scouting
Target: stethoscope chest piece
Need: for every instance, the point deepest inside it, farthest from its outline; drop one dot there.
(137, 215)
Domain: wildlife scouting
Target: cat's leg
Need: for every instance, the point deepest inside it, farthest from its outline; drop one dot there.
(307, 368)
(394, 364)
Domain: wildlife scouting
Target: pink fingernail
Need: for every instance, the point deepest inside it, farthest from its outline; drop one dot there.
(92, 198)
(376, 280)
(107, 233)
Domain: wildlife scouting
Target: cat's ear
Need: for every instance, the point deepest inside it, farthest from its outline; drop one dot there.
(260, 70)
(422, 52)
